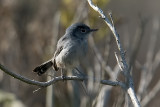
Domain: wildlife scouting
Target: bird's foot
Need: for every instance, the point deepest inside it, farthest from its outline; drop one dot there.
(63, 77)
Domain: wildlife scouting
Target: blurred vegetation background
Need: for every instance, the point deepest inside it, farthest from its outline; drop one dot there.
(29, 30)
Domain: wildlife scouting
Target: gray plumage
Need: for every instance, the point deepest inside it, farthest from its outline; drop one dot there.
(71, 48)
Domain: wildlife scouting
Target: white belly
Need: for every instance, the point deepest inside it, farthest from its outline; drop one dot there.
(66, 59)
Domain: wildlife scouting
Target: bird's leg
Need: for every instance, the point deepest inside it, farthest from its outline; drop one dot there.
(79, 73)
(63, 74)
(77, 70)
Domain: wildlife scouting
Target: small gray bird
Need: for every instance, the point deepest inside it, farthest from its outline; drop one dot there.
(71, 48)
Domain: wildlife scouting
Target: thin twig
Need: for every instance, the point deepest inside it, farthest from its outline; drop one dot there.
(112, 28)
(110, 14)
(135, 46)
(118, 61)
(100, 58)
(151, 94)
(56, 79)
(147, 73)
(126, 71)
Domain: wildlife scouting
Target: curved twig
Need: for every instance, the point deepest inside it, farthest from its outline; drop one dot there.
(129, 81)
(56, 79)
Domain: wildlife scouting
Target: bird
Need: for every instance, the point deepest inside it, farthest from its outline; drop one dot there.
(71, 49)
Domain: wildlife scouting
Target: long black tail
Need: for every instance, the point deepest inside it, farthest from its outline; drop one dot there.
(41, 69)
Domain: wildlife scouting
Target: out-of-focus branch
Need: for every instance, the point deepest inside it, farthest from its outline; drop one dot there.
(137, 41)
(56, 79)
(151, 94)
(150, 65)
(103, 97)
(151, 49)
(80, 13)
(100, 58)
(156, 62)
(126, 71)
(37, 83)
(50, 90)
(112, 28)
(150, 68)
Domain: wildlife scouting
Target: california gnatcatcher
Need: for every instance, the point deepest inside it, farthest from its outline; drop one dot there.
(71, 48)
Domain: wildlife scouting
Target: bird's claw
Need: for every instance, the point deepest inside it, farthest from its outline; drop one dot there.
(63, 77)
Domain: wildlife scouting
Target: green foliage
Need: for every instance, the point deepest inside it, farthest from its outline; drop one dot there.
(67, 12)
(101, 3)
(9, 100)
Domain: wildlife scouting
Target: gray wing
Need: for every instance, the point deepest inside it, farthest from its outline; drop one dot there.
(57, 52)
(60, 47)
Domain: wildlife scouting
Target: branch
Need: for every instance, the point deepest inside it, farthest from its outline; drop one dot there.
(137, 40)
(118, 61)
(112, 28)
(151, 94)
(56, 79)
(150, 65)
(37, 83)
(126, 71)
(101, 59)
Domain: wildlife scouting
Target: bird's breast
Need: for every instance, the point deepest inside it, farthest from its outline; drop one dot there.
(71, 54)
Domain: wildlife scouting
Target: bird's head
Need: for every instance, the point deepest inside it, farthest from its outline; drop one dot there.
(79, 30)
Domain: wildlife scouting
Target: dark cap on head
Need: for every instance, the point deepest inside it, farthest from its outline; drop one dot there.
(81, 28)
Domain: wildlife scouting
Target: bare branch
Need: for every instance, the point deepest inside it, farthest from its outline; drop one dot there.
(56, 79)
(156, 62)
(112, 28)
(118, 62)
(37, 83)
(147, 73)
(100, 58)
(151, 94)
(129, 82)
(137, 41)
(55, 33)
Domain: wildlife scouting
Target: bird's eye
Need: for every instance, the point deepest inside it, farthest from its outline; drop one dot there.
(83, 30)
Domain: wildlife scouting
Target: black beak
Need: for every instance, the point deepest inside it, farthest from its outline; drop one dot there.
(93, 30)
